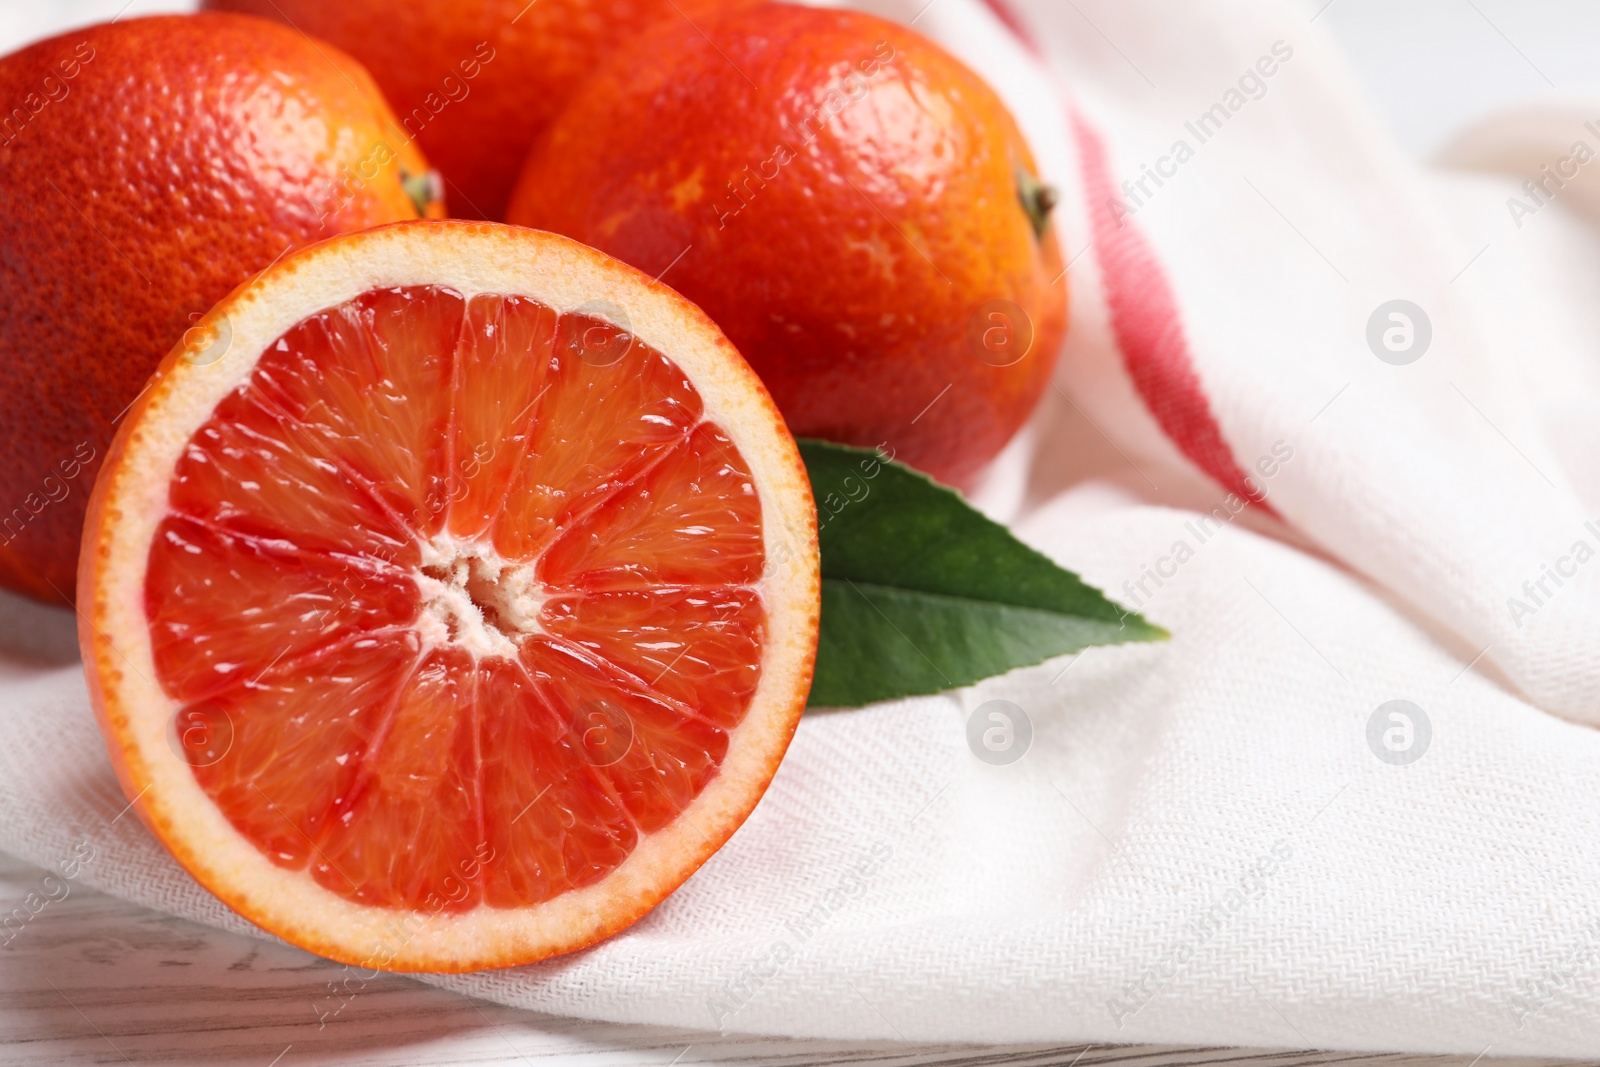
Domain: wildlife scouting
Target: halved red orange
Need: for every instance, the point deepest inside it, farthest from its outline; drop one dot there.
(451, 595)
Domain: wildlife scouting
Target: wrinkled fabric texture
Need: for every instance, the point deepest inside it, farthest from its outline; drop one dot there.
(1228, 838)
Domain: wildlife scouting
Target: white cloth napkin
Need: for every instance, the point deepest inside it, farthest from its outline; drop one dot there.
(1234, 838)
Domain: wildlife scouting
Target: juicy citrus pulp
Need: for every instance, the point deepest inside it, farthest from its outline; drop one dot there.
(475, 580)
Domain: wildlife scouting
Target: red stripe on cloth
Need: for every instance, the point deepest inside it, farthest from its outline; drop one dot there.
(1144, 312)
(1149, 329)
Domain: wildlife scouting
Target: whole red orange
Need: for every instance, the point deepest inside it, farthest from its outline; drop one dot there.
(149, 167)
(476, 81)
(854, 207)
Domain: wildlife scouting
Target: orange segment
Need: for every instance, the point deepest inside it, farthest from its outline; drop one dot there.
(503, 367)
(369, 380)
(254, 471)
(606, 419)
(211, 626)
(647, 756)
(699, 647)
(563, 831)
(446, 594)
(692, 519)
(413, 820)
(284, 775)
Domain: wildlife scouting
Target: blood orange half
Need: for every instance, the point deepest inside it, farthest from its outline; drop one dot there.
(452, 594)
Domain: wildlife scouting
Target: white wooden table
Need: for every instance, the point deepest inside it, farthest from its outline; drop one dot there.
(93, 979)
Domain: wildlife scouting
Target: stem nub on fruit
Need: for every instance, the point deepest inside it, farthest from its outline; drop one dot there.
(423, 189)
(1038, 200)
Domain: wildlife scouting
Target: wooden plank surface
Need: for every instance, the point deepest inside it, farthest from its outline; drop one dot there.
(92, 979)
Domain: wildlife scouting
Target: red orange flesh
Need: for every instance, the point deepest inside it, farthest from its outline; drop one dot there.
(458, 600)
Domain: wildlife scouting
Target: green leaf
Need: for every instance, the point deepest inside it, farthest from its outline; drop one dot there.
(922, 593)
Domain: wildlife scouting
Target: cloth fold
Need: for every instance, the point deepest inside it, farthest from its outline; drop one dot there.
(1329, 417)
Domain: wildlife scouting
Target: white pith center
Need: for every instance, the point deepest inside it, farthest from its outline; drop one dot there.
(474, 599)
